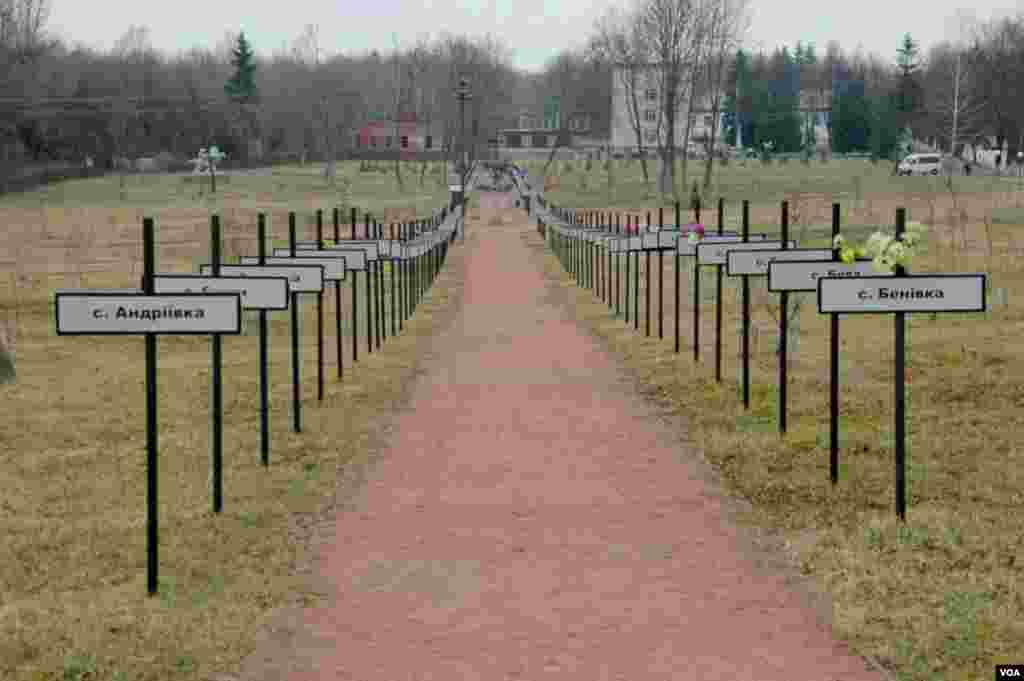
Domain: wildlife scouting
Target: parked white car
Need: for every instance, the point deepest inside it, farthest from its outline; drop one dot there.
(920, 164)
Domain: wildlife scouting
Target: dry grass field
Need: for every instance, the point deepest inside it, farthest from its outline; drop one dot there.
(72, 445)
(941, 595)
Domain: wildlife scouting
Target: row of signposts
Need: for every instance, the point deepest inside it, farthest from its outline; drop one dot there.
(590, 245)
(212, 301)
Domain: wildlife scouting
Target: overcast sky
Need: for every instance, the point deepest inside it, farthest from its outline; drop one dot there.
(534, 29)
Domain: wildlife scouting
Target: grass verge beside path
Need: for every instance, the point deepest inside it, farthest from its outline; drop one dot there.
(73, 604)
(937, 597)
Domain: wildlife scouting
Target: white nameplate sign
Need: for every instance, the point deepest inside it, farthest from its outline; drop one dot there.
(715, 254)
(911, 293)
(371, 247)
(803, 275)
(334, 266)
(756, 262)
(304, 278)
(684, 247)
(258, 293)
(134, 314)
(355, 258)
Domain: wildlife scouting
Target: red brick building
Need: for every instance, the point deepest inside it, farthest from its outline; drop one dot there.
(379, 134)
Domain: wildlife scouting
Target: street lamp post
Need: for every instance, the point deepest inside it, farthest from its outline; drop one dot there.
(463, 94)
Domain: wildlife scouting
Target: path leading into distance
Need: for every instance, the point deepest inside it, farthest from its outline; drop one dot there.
(531, 520)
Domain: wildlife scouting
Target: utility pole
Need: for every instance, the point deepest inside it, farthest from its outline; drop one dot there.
(463, 94)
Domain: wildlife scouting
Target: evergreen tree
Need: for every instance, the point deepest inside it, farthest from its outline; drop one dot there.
(241, 91)
(885, 128)
(909, 91)
(778, 106)
(241, 87)
(851, 116)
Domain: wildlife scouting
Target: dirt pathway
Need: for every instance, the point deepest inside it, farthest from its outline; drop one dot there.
(530, 521)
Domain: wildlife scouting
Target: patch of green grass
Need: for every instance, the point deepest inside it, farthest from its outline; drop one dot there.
(79, 667)
(1009, 216)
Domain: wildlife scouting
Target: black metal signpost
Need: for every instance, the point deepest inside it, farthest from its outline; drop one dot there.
(696, 290)
(661, 278)
(783, 327)
(897, 295)
(647, 284)
(679, 228)
(148, 314)
(391, 271)
(369, 290)
(320, 316)
(629, 231)
(745, 312)
(216, 394)
(337, 301)
(718, 298)
(296, 386)
(261, 237)
(379, 288)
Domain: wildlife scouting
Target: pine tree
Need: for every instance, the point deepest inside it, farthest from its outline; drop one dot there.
(909, 92)
(241, 91)
(241, 87)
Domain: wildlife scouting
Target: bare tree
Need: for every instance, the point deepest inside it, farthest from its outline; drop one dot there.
(727, 24)
(619, 40)
(955, 108)
(672, 28)
(23, 41)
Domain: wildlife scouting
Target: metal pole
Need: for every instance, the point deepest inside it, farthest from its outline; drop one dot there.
(261, 237)
(696, 292)
(675, 253)
(337, 299)
(833, 461)
(899, 386)
(152, 469)
(745, 283)
(216, 395)
(296, 396)
(718, 299)
(783, 327)
(320, 315)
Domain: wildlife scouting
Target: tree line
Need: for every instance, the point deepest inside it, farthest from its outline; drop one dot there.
(64, 100)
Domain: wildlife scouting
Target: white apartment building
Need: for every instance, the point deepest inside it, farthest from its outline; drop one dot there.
(649, 108)
(815, 106)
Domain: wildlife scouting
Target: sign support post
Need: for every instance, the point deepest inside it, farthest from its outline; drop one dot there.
(319, 315)
(899, 411)
(833, 435)
(783, 327)
(216, 397)
(718, 298)
(661, 278)
(745, 312)
(696, 291)
(679, 228)
(152, 533)
(261, 237)
(337, 299)
(369, 290)
(391, 269)
(296, 396)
